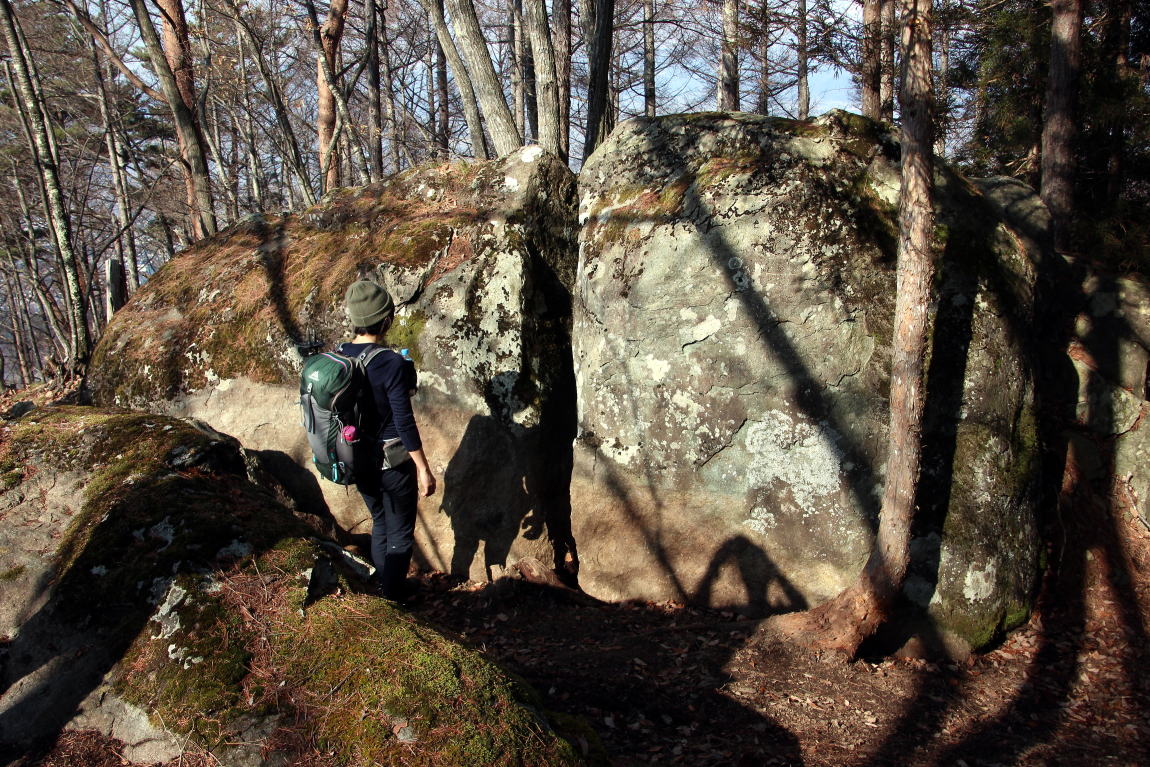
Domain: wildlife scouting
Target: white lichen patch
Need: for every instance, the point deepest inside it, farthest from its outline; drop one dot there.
(979, 582)
(802, 456)
(657, 369)
(761, 520)
(166, 615)
(164, 530)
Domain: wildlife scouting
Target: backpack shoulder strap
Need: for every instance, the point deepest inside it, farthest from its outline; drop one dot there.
(368, 354)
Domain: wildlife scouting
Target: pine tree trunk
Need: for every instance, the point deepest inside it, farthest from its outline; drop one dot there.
(870, 68)
(887, 66)
(1058, 128)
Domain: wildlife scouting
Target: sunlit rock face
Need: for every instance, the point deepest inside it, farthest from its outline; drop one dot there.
(735, 292)
(479, 257)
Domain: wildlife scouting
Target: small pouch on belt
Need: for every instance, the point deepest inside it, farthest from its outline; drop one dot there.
(394, 453)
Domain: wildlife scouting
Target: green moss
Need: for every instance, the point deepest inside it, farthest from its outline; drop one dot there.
(405, 333)
(12, 573)
(11, 479)
(191, 679)
(390, 672)
(1017, 613)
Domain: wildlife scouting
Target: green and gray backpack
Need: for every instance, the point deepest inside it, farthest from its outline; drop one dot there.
(331, 386)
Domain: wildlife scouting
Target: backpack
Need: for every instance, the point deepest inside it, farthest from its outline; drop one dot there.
(330, 388)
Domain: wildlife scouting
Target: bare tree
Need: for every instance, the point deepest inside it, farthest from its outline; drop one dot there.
(34, 112)
(727, 97)
(505, 135)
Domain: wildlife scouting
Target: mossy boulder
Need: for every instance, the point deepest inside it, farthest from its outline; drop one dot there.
(479, 257)
(732, 336)
(147, 577)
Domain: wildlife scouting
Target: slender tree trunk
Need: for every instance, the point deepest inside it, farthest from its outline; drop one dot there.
(192, 153)
(727, 98)
(505, 136)
(763, 103)
(649, 108)
(515, 34)
(561, 12)
(330, 34)
(842, 623)
(1058, 128)
(942, 95)
(442, 99)
(126, 240)
(374, 102)
(547, 94)
(33, 107)
(887, 66)
(388, 89)
(462, 79)
(1115, 44)
(600, 32)
(870, 68)
(802, 52)
(433, 146)
(294, 154)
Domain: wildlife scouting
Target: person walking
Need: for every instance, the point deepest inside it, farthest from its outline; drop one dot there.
(395, 469)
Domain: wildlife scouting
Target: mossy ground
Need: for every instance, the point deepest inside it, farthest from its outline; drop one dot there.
(199, 579)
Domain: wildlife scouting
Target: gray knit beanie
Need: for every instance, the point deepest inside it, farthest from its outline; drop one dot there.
(367, 303)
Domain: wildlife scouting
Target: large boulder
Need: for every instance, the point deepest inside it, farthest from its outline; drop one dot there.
(151, 590)
(479, 257)
(732, 334)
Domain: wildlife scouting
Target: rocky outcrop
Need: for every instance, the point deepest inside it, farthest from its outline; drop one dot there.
(478, 256)
(151, 590)
(713, 321)
(731, 342)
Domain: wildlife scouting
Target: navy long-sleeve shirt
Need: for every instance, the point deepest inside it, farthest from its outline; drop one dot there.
(388, 377)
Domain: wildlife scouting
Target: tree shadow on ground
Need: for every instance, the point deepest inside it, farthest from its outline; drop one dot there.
(632, 669)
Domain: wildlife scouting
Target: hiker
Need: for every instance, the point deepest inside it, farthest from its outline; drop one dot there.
(395, 467)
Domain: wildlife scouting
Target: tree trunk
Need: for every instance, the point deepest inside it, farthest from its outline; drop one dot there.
(600, 23)
(547, 95)
(802, 52)
(330, 34)
(471, 116)
(1058, 129)
(887, 66)
(561, 10)
(649, 58)
(842, 623)
(374, 99)
(388, 89)
(34, 112)
(870, 68)
(294, 153)
(444, 129)
(728, 88)
(192, 153)
(504, 134)
(126, 239)
(515, 35)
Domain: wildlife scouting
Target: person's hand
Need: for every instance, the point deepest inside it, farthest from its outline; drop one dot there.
(426, 482)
